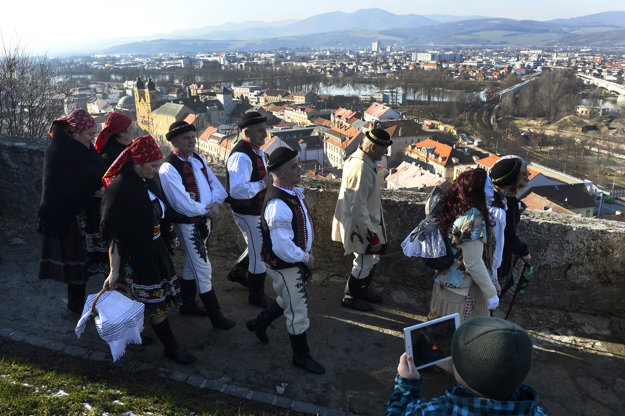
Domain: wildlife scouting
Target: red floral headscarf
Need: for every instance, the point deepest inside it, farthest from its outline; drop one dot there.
(116, 123)
(77, 121)
(143, 150)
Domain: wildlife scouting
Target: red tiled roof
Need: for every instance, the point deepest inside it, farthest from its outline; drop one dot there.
(285, 124)
(268, 141)
(377, 110)
(402, 128)
(441, 152)
(227, 142)
(275, 93)
(340, 144)
(321, 122)
(344, 113)
(207, 133)
(190, 118)
(539, 203)
(489, 161)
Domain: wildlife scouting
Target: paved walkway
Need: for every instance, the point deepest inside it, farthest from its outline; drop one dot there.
(579, 360)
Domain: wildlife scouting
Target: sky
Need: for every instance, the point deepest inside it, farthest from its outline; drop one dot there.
(46, 26)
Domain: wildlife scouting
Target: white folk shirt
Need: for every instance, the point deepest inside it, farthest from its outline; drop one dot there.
(152, 199)
(499, 219)
(279, 217)
(178, 197)
(240, 171)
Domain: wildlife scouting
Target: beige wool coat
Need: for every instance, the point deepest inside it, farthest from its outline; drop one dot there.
(359, 207)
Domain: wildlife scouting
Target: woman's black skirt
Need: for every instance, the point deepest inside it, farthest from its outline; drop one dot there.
(159, 291)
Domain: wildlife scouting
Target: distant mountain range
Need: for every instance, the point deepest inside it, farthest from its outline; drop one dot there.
(359, 29)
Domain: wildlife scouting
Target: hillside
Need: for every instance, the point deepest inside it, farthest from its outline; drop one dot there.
(358, 29)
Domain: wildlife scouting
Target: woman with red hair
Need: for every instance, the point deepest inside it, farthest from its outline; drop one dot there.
(466, 287)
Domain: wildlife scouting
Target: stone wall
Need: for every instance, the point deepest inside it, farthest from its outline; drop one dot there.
(579, 262)
(21, 165)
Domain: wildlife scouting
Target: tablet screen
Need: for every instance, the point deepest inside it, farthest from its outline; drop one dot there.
(430, 342)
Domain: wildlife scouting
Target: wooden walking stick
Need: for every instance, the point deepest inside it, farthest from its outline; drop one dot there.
(524, 281)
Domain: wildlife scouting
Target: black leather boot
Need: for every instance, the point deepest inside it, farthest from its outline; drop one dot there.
(209, 299)
(256, 284)
(172, 349)
(239, 273)
(301, 355)
(350, 301)
(362, 291)
(76, 297)
(188, 290)
(263, 320)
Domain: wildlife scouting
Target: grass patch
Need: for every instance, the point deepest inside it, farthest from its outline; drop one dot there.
(35, 381)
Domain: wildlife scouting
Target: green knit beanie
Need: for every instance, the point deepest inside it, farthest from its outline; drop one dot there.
(493, 356)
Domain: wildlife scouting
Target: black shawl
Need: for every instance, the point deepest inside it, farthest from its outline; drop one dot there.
(112, 149)
(71, 174)
(128, 218)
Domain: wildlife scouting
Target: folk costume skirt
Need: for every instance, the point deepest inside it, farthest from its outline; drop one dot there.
(95, 249)
(63, 256)
(445, 302)
(158, 291)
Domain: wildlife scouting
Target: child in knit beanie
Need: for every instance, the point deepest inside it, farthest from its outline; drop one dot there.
(491, 358)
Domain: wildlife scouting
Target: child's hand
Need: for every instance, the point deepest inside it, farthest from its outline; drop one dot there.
(406, 368)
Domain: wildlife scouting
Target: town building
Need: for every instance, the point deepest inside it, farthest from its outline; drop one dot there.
(568, 199)
(380, 112)
(339, 143)
(403, 133)
(409, 177)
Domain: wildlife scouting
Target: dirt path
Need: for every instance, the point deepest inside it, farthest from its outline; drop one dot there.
(579, 360)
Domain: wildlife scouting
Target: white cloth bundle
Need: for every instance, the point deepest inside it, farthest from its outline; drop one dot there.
(119, 321)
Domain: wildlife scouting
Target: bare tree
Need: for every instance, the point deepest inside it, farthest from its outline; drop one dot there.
(30, 94)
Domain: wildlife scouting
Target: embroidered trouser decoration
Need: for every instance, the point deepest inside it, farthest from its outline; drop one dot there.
(198, 267)
(363, 264)
(250, 228)
(290, 286)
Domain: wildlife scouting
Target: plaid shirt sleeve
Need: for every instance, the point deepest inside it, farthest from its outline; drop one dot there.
(406, 392)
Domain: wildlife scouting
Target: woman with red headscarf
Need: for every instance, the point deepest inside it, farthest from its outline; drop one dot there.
(132, 210)
(114, 137)
(467, 287)
(72, 172)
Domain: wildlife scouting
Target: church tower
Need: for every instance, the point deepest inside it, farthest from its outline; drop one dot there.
(146, 99)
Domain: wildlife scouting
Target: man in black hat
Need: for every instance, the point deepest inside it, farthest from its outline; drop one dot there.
(195, 195)
(288, 233)
(491, 358)
(358, 218)
(509, 175)
(247, 183)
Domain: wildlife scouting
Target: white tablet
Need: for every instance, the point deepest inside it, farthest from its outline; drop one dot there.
(429, 343)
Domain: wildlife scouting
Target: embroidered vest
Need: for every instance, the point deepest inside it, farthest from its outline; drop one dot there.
(252, 206)
(185, 170)
(298, 223)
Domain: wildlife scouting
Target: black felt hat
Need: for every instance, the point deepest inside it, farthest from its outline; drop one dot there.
(379, 136)
(506, 170)
(279, 157)
(253, 117)
(177, 128)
